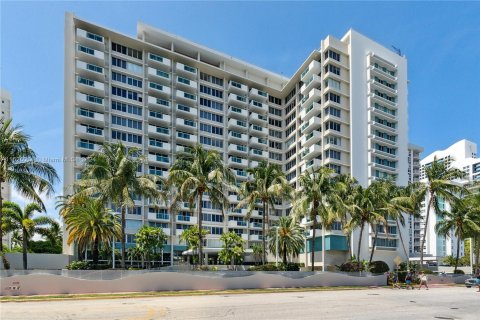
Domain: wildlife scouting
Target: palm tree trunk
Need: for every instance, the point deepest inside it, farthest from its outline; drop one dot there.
(477, 250)
(458, 251)
(1, 217)
(123, 237)
(95, 251)
(373, 244)
(264, 254)
(24, 244)
(200, 238)
(430, 201)
(284, 253)
(312, 247)
(403, 244)
(360, 242)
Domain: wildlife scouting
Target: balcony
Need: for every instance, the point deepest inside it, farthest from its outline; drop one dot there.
(314, 67)
(312, 152)
(258, 119)
(159, 158)
(90, 86)
(159, 103)
(237, 149)
(91, 38)
(237, 136)
(257, 153)
(186, 111)
(258, 107)
(314, 95)
(186, 219)
(90, 70)
(186, 137)
(186, 97)
(309, 111)
(312, 124)
(89, 132)
(91, 117)
(237, 100)
(378, 85)
(258, 142)
(159, 118)
(159, 88)
(159, 145)
(233, 198)
(315, 81)
(311, 164)
(240, 174)
(186, 83)
(239, 162)
(88, 145)
(160, 131)
(381, 126)
(90, 101)
(256, 237)
(258, 130)
(256, 225)
(160, 61)
(159, 75)
(237, 113)
(237, 224)
(237, 87)
(89, 54)
(258, 94)
(186, 70)
(311, 138)
(234, 124)
(186, 124)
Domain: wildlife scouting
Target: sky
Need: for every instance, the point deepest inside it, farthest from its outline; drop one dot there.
(440, 39)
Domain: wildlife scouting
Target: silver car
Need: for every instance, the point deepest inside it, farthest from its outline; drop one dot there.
(471, 282)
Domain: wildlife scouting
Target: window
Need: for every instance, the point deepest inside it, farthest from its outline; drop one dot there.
(157, 171)
(333, 140)
(94, 68)
(330, 83)
(94, 36)
(274, 122)
(211, 116)
(127, 108)
(156, 143)
(275, 145)
(333, 154)
(332, 97)
(211, 104)
(290, 96)
(124, 136)
(211, 79)
(290, 118)
(155, 86)
(275, 111)
(183, 135)
(126, 79)
(385, 162)
(333, 69)
(211, 129)
(275, 133)
(289, 107)
(212, 217)
(291, 152)
(211, 91)
(386, 136)
(336, 168)
(163, 102)
(189, 69)
(290, 164)
(291, 129)
(120, 121)
(332, 54)
(133, 67)
(86, 50)
(85, 81)
(86, 113)
(94, 99)
(137, 54)
(275, 100)
(333, 111)
(93, 130)
(211, 142)
(155, 57)
(127, 94)
(135, 210)
(386, 123)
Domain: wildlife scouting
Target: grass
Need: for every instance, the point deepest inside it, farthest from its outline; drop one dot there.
(166, 294)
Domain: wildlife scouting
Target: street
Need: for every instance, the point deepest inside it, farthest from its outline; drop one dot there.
(381, 303)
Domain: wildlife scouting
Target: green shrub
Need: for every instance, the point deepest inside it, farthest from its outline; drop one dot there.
(351, 266)
(378, 267)
(79, 265)
(426, 271)
(290, 266)
(266, 267)
(458, 271)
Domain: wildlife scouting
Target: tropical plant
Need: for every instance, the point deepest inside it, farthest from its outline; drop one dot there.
(460, 220)
(290, 238)
(112, 175)
(20, 168)
(257, 251)
(192, 238)
(199, 172)
(92, 224)
(149, 239)
(268, 184)
(53, 234)
(232, 248)
(439, 184)
(17, 220)
(313, 201)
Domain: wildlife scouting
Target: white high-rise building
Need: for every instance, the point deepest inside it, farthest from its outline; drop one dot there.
(345, 108)
(414, 223)
(5, 113)
(461, 155)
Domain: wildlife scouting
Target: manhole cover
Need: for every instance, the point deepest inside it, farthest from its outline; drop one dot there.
(446, 318)
(454, 308)
(413, 301)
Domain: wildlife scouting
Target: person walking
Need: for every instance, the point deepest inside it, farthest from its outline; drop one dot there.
(408, 280)
(423, 280)
(395, 281)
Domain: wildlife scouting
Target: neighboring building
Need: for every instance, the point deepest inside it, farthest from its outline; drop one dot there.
(414, 223)
(461, 155)
(345, 108)
(5, 113)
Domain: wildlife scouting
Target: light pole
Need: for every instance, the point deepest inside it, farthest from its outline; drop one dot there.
(113, 253)
(276, 248)
(471, 256)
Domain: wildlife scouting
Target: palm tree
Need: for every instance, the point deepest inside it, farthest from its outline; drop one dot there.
(92, 223)
(460, 220)
(199, 172)
(16, 219)
(439, 184)
(268, 184)
(290, 238)
(313, 200)
(192, 237)
(112, 175)
(257, 252)
(53, 234)
(20, 168)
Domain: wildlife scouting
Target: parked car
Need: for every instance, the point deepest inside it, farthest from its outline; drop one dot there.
(471, 282)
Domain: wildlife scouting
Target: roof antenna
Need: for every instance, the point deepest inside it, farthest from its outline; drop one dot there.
(397, 50)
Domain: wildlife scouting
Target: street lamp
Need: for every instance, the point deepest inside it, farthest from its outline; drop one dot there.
(276, 247)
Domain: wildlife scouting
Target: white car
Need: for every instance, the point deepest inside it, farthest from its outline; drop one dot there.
(471, 282)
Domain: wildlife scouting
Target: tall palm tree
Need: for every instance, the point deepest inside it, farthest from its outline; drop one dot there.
(268, 184)
(198, 172)
(461, 220)
(439, 184)
(53, 233)
(20, 168)
(112, 175)
(290, 238)
(16, 219)
(313, 200)
(92, 223)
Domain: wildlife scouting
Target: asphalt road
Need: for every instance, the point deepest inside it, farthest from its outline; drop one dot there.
(436, 303)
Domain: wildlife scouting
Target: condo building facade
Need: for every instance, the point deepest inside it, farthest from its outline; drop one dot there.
(5, 114)
(344, 108)
(461, 155)
(414, 223)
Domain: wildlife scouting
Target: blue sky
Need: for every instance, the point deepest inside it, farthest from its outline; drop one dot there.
(440, 39)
